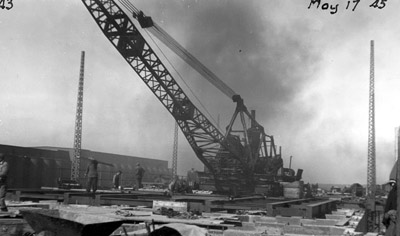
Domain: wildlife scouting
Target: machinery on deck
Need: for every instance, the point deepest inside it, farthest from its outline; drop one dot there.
(237, 161)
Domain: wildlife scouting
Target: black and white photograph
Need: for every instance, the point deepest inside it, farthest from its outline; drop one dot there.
(199, 117)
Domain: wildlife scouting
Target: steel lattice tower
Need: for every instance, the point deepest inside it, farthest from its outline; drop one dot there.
(175, 152)
(78, 124)
(371, 175)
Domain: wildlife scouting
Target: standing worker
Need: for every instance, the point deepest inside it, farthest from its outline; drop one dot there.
(3, 182)
(390, 210)
(192, 179)
(139, 175)
(389, 217)
(92, 174)
(172, 187)
(116, 179)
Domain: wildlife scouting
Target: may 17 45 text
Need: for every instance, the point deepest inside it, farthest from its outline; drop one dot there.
(333, 8)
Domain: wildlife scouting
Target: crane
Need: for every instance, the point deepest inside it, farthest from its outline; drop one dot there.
(236, 161)
(175, 152)
(372, 218)
(371, 175)
(78, 123)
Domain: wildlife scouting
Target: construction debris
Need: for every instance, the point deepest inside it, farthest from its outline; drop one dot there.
(80, 220)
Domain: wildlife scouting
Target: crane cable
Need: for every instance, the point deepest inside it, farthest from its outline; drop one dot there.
(134, 10)
(172, 44)
(128, 5)
(191, 60)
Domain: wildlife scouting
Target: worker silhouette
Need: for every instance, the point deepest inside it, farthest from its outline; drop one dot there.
(192, 179)
(3, 182)
(116, 180)
(92, 175)
(139, 175)
(390, 210)
(173, 186)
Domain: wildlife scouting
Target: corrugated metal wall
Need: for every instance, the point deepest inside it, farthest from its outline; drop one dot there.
(41, 167)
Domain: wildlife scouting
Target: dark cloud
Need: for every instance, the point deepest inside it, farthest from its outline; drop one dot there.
(268, 64)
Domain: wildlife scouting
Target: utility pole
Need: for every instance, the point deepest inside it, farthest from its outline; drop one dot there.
(371, 175)
(78, 124)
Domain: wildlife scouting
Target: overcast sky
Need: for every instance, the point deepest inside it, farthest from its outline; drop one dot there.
(305, 72)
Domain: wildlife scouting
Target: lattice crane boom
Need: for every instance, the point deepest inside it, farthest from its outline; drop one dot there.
(78, 123)
(371, 212)
(171, 43)
(175, 151)
(371, 181)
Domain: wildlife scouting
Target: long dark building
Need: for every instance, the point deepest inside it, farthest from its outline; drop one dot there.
(36, 167)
